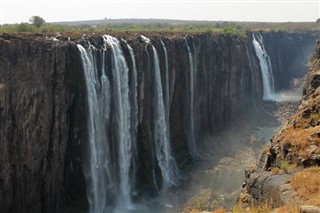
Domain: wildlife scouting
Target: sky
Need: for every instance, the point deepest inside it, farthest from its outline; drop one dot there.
(17, 11)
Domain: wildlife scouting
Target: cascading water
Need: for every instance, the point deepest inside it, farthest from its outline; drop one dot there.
(191, 141)
(266, 68)
(134, 95)
(134, 109)
(109, 176)
(122, 113)
(166, 88)
(161, 135)
(99, 177)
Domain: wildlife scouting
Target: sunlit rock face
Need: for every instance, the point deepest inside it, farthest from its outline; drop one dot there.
(209, 81)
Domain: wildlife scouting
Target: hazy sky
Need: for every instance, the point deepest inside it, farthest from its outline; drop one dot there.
(13, 11)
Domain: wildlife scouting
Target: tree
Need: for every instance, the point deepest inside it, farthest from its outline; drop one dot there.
(318, 21)
(37, 21)
(24, 27)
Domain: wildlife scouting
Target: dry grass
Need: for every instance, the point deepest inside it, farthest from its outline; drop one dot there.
(265, 149)
(194, 211)
(264, 208)
(288, 209)
(298, 137)
(220, 210)
(303, 129)
(275, 170)
(307, 185)
(260, 209)
(303, 153)
(285, 166)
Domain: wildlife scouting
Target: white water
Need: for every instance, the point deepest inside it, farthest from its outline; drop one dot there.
(99, 177)
(161, 132)
(108, 176)
(122, 112)
(191, 141)
(145, 39)
(134, 110)
(134, 93)
(166, 88)
(266, 68)
(112, 175)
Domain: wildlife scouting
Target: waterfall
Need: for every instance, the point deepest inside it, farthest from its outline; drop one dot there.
(112, 105)
(109, 176)
(166, 88)
(161, 130)
(266, 68)
(99, 177)
(122, 114)
(191, 140)
(134, 108)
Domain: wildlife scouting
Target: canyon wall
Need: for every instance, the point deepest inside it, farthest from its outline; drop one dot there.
(39, 113)
(43, 108)
(289, 54)
(287, 171)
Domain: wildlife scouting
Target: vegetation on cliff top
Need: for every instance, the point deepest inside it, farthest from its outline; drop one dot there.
(38, 25)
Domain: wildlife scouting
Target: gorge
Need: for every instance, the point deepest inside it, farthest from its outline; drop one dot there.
(110, 120)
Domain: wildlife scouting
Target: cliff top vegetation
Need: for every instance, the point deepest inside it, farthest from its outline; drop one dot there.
(152, 25)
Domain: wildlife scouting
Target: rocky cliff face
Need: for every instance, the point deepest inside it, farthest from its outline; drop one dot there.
(40, 123)
(43, 109)
(288, 170)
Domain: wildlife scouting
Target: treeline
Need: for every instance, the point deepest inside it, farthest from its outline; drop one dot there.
(38, 25)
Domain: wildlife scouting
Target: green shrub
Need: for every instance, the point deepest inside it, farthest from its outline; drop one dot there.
(24, 27)
(209, 30)
(285, 166)
(230, 31)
